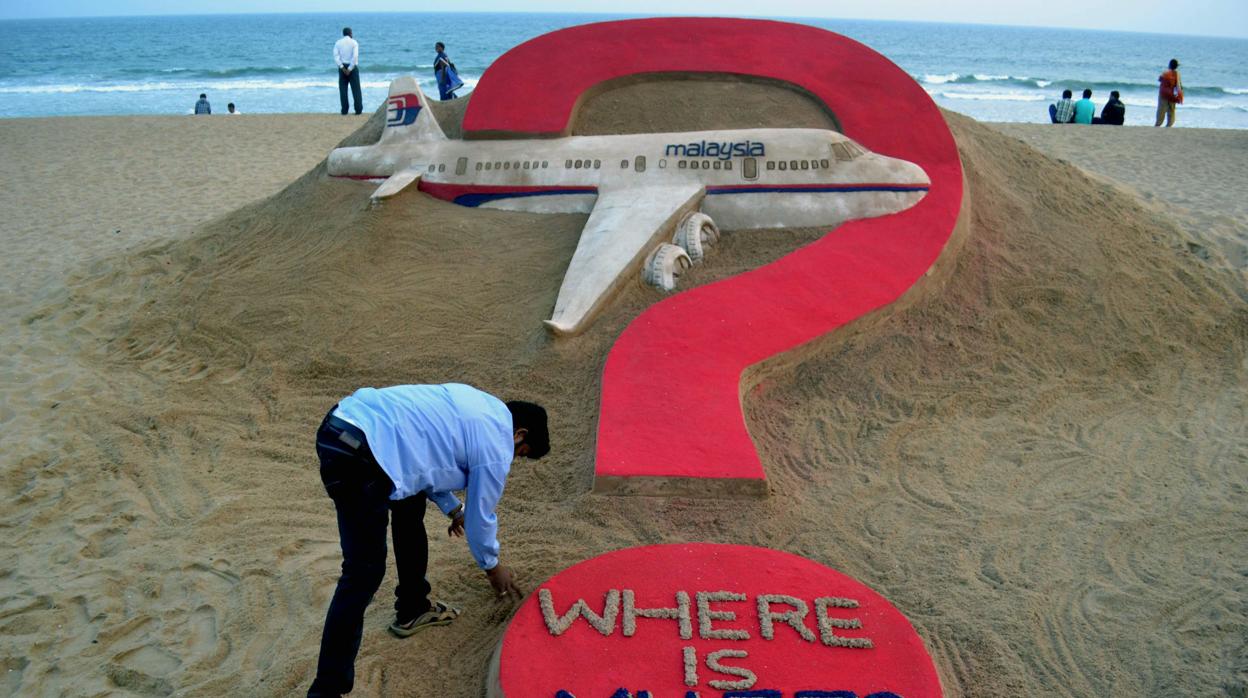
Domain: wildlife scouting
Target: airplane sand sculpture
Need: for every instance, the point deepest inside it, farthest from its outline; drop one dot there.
(654, 200)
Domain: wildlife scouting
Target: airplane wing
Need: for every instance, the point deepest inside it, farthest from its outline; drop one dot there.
(623, 228)
(395, 184)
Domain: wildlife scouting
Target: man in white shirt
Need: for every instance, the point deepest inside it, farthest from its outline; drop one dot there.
(347, 58)
(384, 452)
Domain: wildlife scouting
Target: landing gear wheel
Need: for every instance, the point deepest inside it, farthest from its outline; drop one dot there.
(664, 266)
(694, 233)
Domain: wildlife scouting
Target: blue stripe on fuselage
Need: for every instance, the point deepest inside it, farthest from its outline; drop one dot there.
(477, 198)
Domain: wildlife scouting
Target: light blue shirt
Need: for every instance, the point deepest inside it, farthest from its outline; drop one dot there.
(1084, 111)
(439, 438)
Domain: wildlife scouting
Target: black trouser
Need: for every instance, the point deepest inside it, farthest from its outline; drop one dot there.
(361, 494)
(353, 78)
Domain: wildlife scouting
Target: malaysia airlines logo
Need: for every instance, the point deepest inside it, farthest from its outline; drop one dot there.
(402, 110)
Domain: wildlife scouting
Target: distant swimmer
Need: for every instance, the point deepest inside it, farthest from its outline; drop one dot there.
(445, 73)
(1063, 112)
(383, 453)
(202, 106)
(347, 58)
(1169, 94)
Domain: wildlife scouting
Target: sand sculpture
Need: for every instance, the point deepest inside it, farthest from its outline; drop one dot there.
(642, 192)
(716, 337)
(720, 620)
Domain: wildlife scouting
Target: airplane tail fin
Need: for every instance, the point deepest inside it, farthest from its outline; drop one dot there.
(408, 116)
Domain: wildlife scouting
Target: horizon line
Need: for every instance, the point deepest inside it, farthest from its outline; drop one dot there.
(628, 15)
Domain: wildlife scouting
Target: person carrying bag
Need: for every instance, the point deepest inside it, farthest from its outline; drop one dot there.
(444, 72)
(1169, 94)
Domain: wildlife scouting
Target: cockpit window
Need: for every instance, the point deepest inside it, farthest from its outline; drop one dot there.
(847, 150)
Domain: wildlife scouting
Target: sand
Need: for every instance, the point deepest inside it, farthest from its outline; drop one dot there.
(1195, 176)
(1041, 459)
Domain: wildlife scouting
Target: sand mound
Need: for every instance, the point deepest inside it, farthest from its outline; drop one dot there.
(1039, 459)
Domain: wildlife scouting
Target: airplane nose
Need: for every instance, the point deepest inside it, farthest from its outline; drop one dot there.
(898, 171)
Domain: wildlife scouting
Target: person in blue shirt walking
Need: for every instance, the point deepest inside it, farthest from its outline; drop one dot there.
(383, 453)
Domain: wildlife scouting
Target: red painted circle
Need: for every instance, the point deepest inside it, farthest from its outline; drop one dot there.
(534, 662)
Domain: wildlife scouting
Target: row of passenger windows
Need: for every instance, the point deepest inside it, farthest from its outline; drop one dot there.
(461, 165)
(798, 165)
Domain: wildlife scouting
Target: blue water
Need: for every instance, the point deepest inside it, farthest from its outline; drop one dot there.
(281, 63)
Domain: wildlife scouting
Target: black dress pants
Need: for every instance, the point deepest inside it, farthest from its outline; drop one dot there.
(353, 79)
(361, 491)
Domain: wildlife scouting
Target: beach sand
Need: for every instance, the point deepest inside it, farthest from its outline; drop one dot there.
(1040, 457)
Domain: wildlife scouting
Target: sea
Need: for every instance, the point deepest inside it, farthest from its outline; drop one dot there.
(278, 63)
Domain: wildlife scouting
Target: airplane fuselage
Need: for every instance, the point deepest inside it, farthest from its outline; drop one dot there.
(753, 178)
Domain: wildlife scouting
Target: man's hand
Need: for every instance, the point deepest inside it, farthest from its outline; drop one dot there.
(457, 526)
(501, 580)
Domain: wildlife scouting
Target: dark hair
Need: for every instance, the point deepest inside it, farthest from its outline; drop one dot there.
(527, 415)
(439, 46)
(346, 31)
(230, 105)
(203, 96)
(1114, 94)
(1087, 93)
(1174, 63)
(1066, 94)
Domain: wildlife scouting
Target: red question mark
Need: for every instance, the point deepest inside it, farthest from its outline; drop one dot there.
(671, 419)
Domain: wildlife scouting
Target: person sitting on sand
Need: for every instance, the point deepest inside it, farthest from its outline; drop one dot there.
(384, 452)
(202, 106)
(1085, 109)
(1169, 94)
(229, 109)
(1114, 113)
(1064, 111)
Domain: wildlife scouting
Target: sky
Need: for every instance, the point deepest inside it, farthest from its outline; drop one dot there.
(1201, 17)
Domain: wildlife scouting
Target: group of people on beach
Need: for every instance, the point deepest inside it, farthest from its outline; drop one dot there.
(347, 58)
(203, 107)
(1169, 95)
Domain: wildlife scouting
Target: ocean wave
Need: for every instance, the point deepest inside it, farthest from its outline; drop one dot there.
(219, 85)
(1037, 97)
(260, 71)
(1058, 84)
(217, 74)
(989, 96)
(958, 79)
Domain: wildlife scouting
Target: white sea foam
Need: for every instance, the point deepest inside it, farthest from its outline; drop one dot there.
(990, 96)
(939, 79)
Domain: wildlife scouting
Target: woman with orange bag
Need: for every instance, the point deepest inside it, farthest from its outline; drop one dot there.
(1169, 95)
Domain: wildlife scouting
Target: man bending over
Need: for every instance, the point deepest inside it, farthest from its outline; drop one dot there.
(383, 453)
